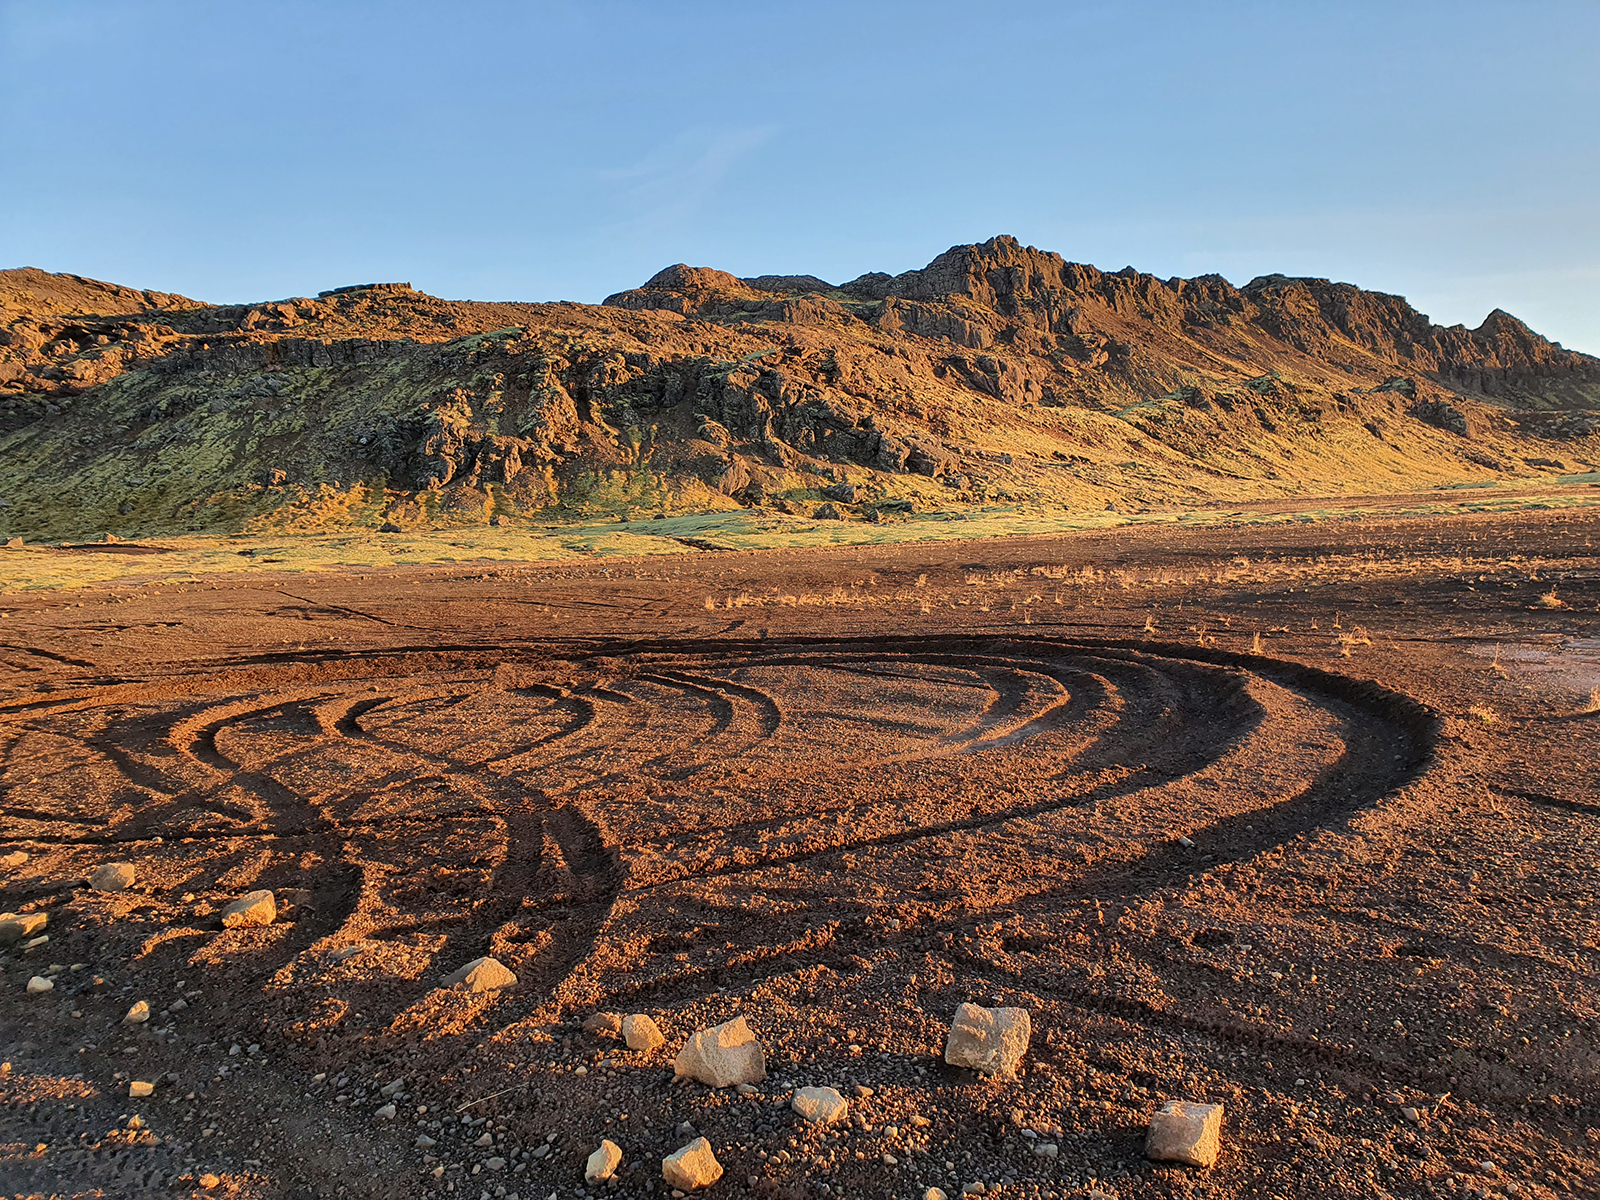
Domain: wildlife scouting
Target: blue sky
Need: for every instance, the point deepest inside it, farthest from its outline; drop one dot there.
(1446, 151)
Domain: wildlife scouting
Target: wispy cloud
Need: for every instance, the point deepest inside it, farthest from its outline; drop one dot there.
(675, 179)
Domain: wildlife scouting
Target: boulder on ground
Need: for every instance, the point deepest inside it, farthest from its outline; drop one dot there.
(112, 877)
(989, 1040)
(641, 1033)
(138, 1014)
(481, 975)
(692, 1167)
(603, 1163)
(1185, 1132)
(820, 1105)
(138, 1089)
(603, 1022)
(723, 1056)
(16, 926)
(252, 908)
(39, 984)
(13, 860)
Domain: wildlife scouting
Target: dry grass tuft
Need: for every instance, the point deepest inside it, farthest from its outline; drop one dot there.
(1255, 643)
(1484, 713)
(1550, 600)
(1351, 638)
(1592, 705)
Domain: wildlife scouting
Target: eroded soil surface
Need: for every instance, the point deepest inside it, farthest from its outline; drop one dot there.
(1301, 820)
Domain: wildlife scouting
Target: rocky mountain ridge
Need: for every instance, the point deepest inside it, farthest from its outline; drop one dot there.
(996, 374)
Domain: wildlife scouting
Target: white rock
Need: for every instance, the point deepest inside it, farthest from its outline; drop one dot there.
(138, 1014)
(603, 1022)
(16, 926)
(1046, 1150)
(481, 975)
(139, 1088)
(39, 985)
(820, 1105)
(386, 1113)
(603, 1163)
(934, 1193)
(641, 1033)
(723, 1056)
(112, 877)
(692, 1167)
(253, 908)
(485, 1139)
(496, 1164)
(989, 1040)
(1182, 1131)
(393, 1088)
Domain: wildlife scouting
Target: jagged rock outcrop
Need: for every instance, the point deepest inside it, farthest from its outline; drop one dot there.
(996, 372)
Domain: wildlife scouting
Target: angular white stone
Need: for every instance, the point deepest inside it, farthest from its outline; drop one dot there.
(820, 1105)
(138, 1088)
(253, 908)
(1182, 1131)
(38, 985)
(16, 926)
(722, 1056)
(386, 1113)
(692, 1167)
(138, 1014)
(112, 877)
(989, 1040)
(482, 975)
(603, 1163)
(641, 1033)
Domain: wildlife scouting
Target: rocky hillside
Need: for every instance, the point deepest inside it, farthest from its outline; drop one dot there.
(997, 373)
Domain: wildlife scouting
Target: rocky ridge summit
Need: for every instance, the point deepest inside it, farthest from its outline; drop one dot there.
(998, 373)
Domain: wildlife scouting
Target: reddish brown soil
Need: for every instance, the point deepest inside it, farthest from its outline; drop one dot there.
(865, 786)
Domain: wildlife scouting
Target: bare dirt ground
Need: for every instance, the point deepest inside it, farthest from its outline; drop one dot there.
(1340, 879)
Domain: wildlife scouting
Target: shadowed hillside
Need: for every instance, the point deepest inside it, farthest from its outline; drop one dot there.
(996, 374)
